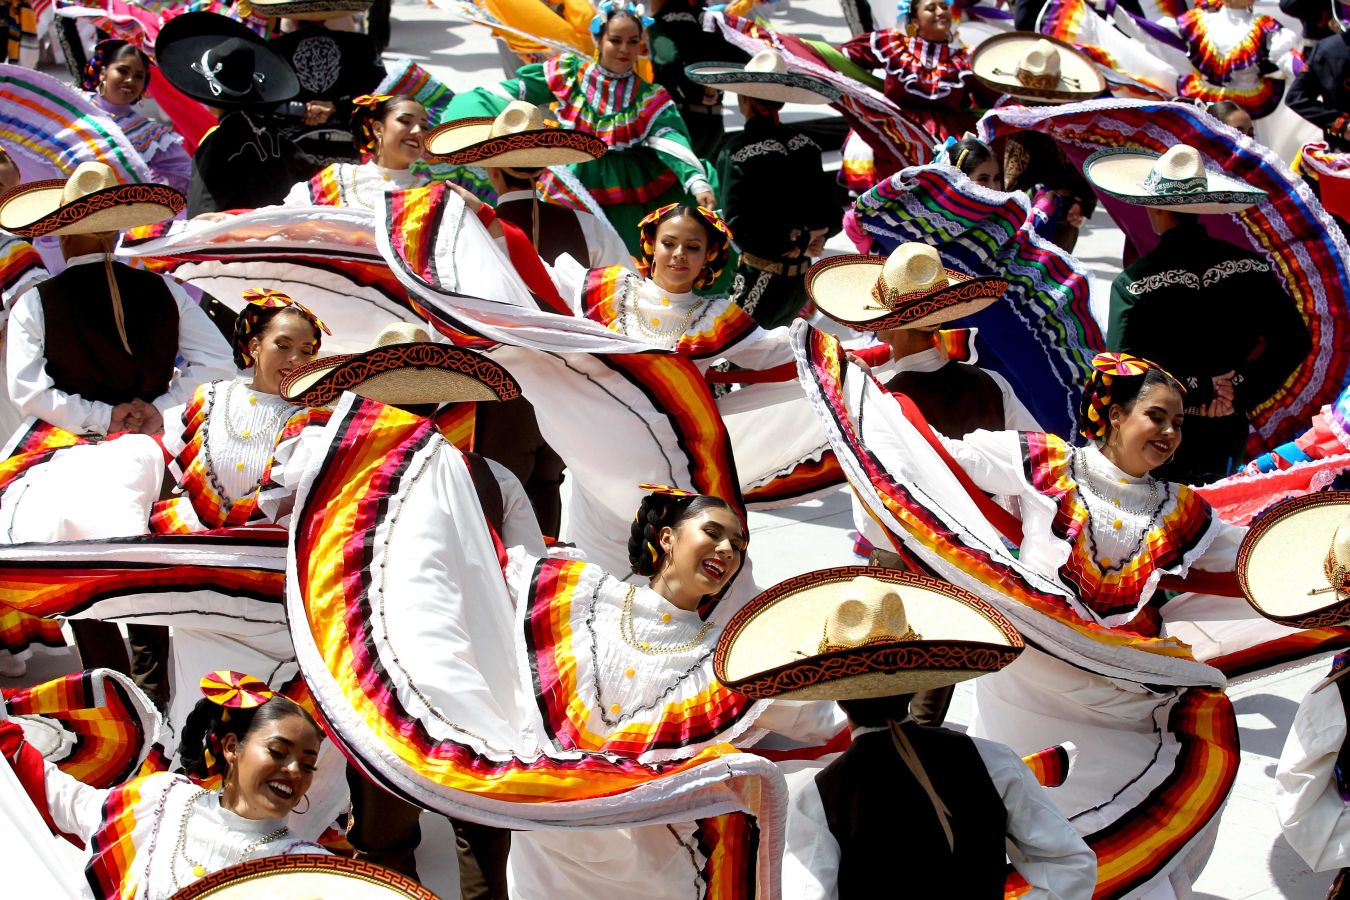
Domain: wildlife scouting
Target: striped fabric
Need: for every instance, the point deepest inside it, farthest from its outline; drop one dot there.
(1041, 336)
(1213, 72)
(1304, 245)
(1051, 765)
(619, 111)
(50, 129)
(20, 268)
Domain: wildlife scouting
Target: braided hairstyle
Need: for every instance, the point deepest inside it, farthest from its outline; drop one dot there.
(369, 109)
(1117, 379)
(969, 153)
(105, 53)
(253, 322)
(714, 226)
(202, 749)
(660, 510)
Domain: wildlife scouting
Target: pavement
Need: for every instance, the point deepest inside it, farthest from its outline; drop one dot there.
(1250, 857)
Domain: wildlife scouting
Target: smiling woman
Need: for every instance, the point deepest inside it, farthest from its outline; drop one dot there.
(154, 835)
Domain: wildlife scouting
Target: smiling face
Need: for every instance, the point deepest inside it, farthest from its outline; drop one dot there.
(124, 78)
(702, 554)
(401, 135)
(270, 769)
(934, 20)
(1145, 435)
(620, 44)
(287, 341)
(680, 253)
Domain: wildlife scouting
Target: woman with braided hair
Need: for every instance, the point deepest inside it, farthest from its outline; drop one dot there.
(390, 133)
(683, 249)
(639, 669)
(224, 441)
(115, 80)
(154, 835)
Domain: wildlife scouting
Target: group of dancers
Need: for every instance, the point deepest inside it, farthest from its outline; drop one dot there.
(297, 422)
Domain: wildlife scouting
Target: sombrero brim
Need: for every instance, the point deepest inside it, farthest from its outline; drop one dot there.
(305, 875)
(184, 39)
(781, 87)
(1120, 172)
(841, 288)
(33, 210)
(311, 9)
(469, 142)
(1281, 560)
(402, 375)
(770, 648)
(994, 62)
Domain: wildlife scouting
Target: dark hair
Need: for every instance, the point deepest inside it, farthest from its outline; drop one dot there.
(365, 117)
(762, 107)
(1222, 109)
(658, 511)
(876, 712)
(253, 321)
(106, 53)
(618, 14)
(969, 153)
(719, 239)
(207, 725)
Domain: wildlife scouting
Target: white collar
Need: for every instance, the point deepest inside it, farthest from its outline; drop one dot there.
(1098, 466)
(87, 258)
(515, 195)
(929, 360)
(858, 731)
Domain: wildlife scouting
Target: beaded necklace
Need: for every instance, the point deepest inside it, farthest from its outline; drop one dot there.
(1080, 467)
(199, 870)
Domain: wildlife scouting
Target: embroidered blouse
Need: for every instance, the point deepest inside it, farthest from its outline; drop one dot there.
(915, 68)
(1107, 535)
(229, 439)
(146, 836)
(159, 144)
(345, 184)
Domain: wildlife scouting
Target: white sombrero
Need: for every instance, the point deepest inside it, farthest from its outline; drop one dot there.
(90, 201)
(765, 77)
(1176, 180)
(402, 368)
(308, 9)
(305, 876)
(518, 138)
(1036, 67)
(909, 289)
(1294, 563)
(855, 632)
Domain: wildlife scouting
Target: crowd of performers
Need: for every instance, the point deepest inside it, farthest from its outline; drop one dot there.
(301, 346)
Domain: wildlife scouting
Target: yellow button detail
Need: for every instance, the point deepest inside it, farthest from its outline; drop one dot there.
(239, 466)
(665, 301)
(1116, 524)
(246, 434)
(630, 673)
(665, 618)
(253, 401)
(1104, 563)
(616, 709)
(655, 321)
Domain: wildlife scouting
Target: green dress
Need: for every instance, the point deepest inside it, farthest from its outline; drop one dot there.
(649, 163)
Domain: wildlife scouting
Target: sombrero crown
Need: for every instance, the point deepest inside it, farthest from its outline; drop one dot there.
(766, 77)
(518, 138)
(856, 632)
(909, 289)
(402, 368)
(90, 201)
(1176, 180)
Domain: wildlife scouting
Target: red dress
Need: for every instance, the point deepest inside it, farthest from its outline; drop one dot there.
(924, 78)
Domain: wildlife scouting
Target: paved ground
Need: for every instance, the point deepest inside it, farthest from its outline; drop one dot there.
(1250, 859)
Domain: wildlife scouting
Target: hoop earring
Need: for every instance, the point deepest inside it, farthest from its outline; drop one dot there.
(911, 28)
(301, 812)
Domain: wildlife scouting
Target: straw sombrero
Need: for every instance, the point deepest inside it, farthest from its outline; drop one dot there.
(1176, 180)
(518, 138)
(855, 632)
(764, 77)
(909, 289)
(1290, 558)
(90, 201)
(305, 875)
(402, 368)
(309, 9)
(220, 62)
(1036, 67)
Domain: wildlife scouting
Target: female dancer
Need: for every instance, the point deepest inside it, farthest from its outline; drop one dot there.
(156, 834)
(391, 131)
(650, 162)
(682, 248)
(926, 70)
(116, 78)
(231, 433)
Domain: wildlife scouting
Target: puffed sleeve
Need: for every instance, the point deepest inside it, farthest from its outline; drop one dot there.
(1044, 848)
(992, 459)
(1315, 820)
(75, 807)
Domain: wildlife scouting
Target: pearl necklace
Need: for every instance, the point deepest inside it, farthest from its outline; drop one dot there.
(630, 308)
(626, 631)
(354, 189)
(199, 870)
(252, 430)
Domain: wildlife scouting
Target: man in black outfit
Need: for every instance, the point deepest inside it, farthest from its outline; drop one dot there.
(1321, 92)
